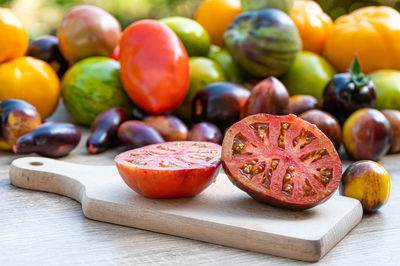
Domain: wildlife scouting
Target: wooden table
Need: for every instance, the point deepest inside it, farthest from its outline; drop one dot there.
(48, 229)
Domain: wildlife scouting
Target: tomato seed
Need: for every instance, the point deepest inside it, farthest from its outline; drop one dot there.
(281, 138)
(260, 130)
(315, 155)
(305, 137)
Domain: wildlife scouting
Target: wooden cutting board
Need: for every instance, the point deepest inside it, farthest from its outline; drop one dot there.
(222, 214)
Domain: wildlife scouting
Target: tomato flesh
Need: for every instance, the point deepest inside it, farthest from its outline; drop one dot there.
(171, 169)
(282, 160)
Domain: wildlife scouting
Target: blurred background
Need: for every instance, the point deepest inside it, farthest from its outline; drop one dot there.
(42, 16)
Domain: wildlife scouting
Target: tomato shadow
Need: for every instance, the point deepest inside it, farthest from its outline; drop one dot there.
(236, 206)
(252, 208)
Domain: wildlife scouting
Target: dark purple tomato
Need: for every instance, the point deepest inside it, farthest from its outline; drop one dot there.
(219, 103)
(46, 48)
(348, 92)
(299, 104)
(269, 96)
(326, 123)
(367, 135)
(205, 131)
(170, 127)
(135, 134)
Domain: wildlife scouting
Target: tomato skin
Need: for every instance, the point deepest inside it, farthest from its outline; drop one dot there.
(152, 171)
(160, 184)
(154, 66)
(14, 36)
(32, 80)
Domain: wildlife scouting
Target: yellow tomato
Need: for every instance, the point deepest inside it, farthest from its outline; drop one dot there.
(313, 25)
(31, 80)
(216, 15)
(13, 36)
(372, 33)
(368, 182)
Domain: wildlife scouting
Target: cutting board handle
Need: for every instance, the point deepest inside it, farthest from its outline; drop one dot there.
(43, 174)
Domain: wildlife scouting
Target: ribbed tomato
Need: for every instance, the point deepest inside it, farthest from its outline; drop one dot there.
(171, 169)
(154, 66)
(282, 160)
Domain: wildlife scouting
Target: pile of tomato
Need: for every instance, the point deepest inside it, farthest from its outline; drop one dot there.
(234, 75)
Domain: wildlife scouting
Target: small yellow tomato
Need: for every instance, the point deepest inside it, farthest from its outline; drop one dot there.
(368, 182)
(31, 80)
(13, 36)
(216, 15)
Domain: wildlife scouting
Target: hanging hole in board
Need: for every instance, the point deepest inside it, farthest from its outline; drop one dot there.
(36, 163)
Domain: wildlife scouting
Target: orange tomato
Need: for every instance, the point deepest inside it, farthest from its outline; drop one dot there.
(313, 25)
(14, 37)
(373, 33)
(216, 15)
(31, 80)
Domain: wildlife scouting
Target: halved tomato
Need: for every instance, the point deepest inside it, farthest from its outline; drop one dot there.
(171, 169)
(282, 160)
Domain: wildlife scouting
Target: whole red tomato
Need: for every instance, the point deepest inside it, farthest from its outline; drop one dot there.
(154, 66)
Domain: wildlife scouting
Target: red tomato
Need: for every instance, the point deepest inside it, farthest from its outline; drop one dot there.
(281, 160)
(170, 169)
(154, 66)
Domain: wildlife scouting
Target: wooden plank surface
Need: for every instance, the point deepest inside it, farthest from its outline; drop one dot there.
(222, 214)
(39, 228)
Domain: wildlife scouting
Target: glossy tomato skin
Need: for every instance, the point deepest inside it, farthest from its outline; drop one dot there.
(165, 183)
(32, 80)
(46, 48)
(219, 103)
(134, 134)
(263, 156)
(342, 97)
(87, 31)
(14, 36)
(326, 123)
(154, 66)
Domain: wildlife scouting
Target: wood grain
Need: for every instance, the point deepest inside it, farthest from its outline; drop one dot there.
(222, 214)
(38, 228)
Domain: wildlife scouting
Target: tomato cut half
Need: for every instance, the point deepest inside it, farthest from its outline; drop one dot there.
(282, 160)
(170, 169)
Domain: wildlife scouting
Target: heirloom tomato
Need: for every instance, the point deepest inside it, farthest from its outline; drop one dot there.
(46, 48)
(31, 80)
(203, 72)
(154, 66)
(367, 135)
(370, 32)
(368, 182)
(87, 31)
(215, 16)
(313, 25)
(171, 169)
(193, 36)
(14, 37)
(281, 160)
(387, 86)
